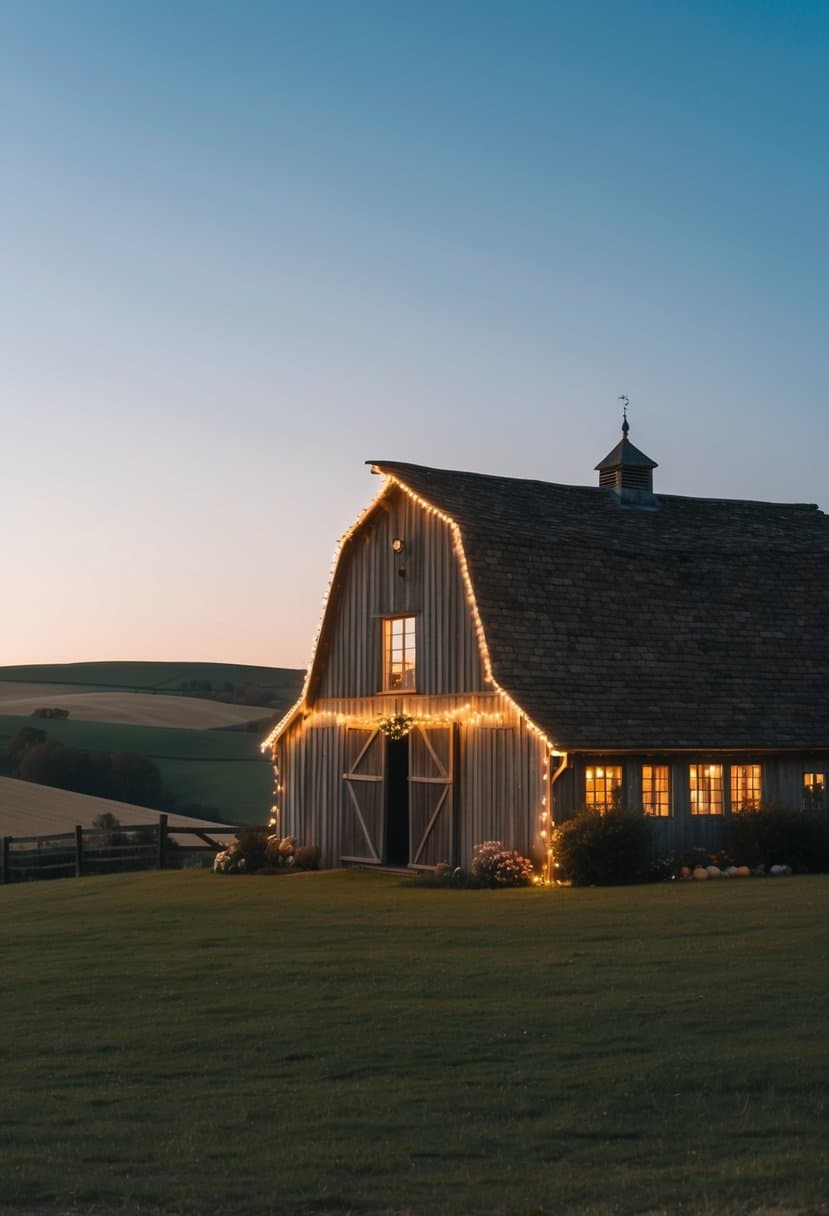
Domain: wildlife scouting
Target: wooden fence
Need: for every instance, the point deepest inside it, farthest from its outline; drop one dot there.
(140, 846)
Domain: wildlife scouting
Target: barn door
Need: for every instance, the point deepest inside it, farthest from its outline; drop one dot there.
(431, 796)
(364, 795)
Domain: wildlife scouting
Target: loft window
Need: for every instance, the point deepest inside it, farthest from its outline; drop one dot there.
(705, 788)
(814, 791)
(746, 782)
(603, 787)
(656, 789)
(399, 654)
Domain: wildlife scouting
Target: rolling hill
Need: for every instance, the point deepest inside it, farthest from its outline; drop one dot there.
(206, 747)
(39, 810)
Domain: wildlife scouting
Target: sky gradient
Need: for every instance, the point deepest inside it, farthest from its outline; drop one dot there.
(247, 247)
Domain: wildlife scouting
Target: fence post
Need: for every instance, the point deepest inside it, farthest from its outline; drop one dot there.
(4, 864)
(162, 841)
(78, 850)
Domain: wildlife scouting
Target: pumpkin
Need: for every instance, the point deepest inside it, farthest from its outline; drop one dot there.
(700, 872)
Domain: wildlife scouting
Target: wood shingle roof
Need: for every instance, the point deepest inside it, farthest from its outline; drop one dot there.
(701, 624)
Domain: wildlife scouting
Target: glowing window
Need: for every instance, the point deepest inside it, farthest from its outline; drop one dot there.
(603, 787)
(706, 789)
(814, 791)
(656, 789)
(399, 653)
(746, 781)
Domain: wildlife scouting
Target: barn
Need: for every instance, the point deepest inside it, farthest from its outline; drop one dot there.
(496, 654)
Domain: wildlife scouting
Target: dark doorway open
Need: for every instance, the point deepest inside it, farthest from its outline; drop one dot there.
(397, 802)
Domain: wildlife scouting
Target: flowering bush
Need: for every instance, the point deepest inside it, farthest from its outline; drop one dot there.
(496, 866)
(280, 850)
(230, 860)
(255, 849)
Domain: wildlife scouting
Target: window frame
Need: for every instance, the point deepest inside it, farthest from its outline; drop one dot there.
(599, 773)
(807, 801)
(737, 805)
(408, 682)
(701, 787)
(659, 796)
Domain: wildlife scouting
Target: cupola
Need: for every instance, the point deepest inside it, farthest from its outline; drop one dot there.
(628, 471)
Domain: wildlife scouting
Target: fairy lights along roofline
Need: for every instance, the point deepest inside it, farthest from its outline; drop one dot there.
(335, 561)
(457, 541)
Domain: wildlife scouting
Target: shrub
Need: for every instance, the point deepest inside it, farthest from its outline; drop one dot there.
(775, 836)
(496, 866)
(252, 847)
(280, 850)
(610, 849)
(308, 857)
(230, 860)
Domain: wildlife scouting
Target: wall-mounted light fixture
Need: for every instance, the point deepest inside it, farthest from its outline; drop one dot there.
(398, 548)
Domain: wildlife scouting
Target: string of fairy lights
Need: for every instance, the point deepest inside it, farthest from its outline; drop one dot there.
(466, 715)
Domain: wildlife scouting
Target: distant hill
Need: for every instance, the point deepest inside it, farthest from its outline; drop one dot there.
(188, 718)
(131, 708)
(275, 687)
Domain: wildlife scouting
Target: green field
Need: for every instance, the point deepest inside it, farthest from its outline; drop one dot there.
(283, 683)
(218, 768)
(214, 768)
(190, 1043)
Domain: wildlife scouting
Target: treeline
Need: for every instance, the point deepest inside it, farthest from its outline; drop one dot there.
(233, 694)
(124, 776)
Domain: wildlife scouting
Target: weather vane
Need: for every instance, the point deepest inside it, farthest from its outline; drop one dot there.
(625, 423)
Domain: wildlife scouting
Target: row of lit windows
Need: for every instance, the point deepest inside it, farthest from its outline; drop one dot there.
(603, 788)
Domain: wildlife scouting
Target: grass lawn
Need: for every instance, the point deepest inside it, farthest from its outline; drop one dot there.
(338, 1042)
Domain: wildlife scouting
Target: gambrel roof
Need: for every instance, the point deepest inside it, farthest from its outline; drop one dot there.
(702, 623)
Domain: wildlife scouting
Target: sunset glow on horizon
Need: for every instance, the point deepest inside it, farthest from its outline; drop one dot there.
(251, 247)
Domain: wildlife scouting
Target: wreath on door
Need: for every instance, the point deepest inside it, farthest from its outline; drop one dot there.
(397, 726)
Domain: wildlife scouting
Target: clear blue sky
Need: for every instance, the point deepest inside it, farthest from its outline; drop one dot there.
(247, 246)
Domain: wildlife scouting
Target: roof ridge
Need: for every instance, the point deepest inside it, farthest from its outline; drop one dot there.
(381, 465)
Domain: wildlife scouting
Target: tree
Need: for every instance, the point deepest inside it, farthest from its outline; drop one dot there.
(19, 744)
(67, 768)
(135, 779)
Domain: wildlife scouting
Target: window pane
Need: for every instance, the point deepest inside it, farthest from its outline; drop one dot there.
(399, 653)
(746, 781)
(814, 791)
(705, 781)
(603, 787)
(656, 789)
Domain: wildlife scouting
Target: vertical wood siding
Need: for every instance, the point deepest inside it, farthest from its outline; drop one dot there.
(497, 791)
(369, 587)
